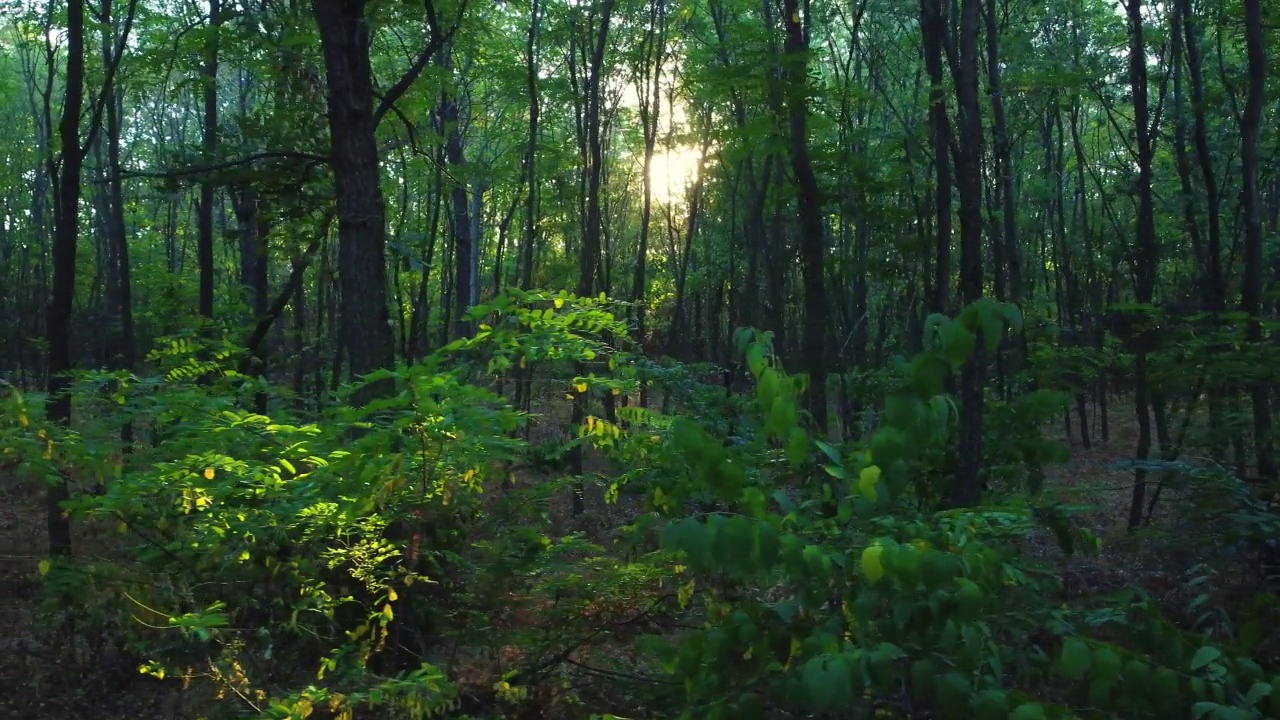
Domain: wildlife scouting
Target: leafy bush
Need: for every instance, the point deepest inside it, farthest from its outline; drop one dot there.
(312, 567)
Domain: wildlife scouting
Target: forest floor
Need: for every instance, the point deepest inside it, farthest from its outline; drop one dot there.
(44, 677)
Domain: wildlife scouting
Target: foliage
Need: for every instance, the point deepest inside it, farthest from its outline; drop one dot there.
(881, 610)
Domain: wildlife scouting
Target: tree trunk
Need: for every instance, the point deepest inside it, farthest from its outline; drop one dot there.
(1145, 252)
(531, 153)
(812, 242)
(209, 149)
(463, 242)
(366, 328)
(933, 28)
(1251, 288)
(1215, 284)
(589, 257)
(965, 492)
(66, 232)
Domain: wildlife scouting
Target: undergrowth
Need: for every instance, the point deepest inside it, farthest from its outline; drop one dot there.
(406, 558)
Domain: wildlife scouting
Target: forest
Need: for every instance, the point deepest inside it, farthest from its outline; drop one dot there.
(623, 359)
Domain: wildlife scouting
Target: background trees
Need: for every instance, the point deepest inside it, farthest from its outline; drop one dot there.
(733, 166)
(323, 191)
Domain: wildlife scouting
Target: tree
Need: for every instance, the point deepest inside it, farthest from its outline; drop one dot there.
(345, 36)
(813, 250)
(1251, 288)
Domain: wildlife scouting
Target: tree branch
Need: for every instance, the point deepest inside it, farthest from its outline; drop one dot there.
(438, 39)
(277, 308)
(311, 158)
(95, 120)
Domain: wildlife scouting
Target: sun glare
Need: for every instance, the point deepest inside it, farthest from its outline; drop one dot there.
(672, 173)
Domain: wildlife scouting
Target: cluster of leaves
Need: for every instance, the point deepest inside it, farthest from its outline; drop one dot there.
(302, 564)
(308, 565)
(849, 597)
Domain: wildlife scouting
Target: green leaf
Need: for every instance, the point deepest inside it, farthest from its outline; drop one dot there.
(952, 693)
(1204, 656)
(1075, 659)
(826, 682)
(1165, 691)
(991, 704)
(1028, 711)
(1106, 665)
(1258, 691)
(923, 673)
(957, 343)
(829, 450)
(1136, 673)
(1202, 709)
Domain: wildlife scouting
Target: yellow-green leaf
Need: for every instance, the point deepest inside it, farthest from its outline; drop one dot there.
(867, 480)
(871, 566)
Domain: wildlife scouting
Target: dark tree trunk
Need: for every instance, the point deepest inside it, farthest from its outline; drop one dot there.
(812, 242)
(969, 177)
(1215, 288)
(121, 281)
(529, 247)
(933, 28)
(1251, 288)
(463, 242)
(1145, 251)
(254, 274)
(209, 148)
(366, 328)
(1002, 152)
(66, 232)
(589, 256)
(650, 106)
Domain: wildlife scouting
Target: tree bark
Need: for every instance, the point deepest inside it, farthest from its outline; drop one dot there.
(1251, 288)
(933, 28)
(66, 233)
(366, 328)
(1144, 256)
(809, 200)
(209, 149)
(529, 247)
(965, 492)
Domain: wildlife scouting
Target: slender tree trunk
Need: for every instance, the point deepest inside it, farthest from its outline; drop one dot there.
(463, 242)
(933, 28)
(66, 233)
(965, 492)
(812, 241)
(531, 152)
(1215, 284)
(1251, 288)
(1145, 252)
(1002, 151)
(650, 107)
(589, 257)
(209, 149)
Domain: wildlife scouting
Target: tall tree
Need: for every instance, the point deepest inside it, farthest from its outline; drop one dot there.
(933, 30)
(969, 179)
(1251, 288)
(530, 241)
(1144, 257)
(809, 201)
(209, 147)
(66, 172)
(345, 37)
